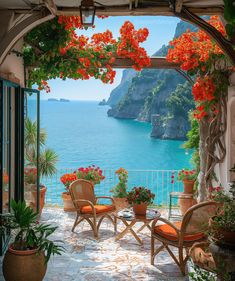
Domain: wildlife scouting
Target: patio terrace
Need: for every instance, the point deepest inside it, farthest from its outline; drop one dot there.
(104, 259)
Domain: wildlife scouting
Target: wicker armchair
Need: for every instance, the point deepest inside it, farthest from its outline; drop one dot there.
(182, 235)
(85, 202)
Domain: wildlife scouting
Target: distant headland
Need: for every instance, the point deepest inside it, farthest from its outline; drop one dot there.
(61, 100)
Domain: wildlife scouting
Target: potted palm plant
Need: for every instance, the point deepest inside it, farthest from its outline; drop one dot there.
(27, 256)
(120, 190)
(47, 162)
(140, 197)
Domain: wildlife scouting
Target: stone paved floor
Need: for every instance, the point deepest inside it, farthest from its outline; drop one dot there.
(88, 259)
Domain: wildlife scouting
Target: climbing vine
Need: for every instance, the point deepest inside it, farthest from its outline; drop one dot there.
(55, 50)
(202, 58)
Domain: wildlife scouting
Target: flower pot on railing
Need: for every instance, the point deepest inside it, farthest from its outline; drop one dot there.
(188, 186)
(68, 203)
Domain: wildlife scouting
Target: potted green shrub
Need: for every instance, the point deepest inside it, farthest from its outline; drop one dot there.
(222, 225)
(140, 197)
(47, 162)
(27, 256)
(120, 190)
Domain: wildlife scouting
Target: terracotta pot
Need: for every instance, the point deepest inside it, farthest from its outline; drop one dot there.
(68, 203)
(188, 186)
(186, 202)
(222, 236)
(42, 199)
(26, 265)
(140, 209)
(120, 203)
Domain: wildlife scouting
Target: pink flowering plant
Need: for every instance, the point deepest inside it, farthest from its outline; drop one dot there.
(140, 195)
(120, 190)
(90, 173)
(186, 174)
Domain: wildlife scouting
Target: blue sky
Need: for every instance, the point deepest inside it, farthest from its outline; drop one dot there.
(161, 31)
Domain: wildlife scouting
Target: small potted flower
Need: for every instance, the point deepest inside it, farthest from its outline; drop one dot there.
(67, 179)
(120, 190)
(140, 197)
(188, 177)
(90, 173)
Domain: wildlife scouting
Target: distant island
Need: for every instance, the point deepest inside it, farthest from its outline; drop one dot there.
(61, 100)
(103, 102)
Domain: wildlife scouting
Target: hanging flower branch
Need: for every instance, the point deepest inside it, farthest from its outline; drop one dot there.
(54, 50)
(203, 59)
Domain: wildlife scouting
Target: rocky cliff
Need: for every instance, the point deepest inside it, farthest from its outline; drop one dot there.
(155, 96)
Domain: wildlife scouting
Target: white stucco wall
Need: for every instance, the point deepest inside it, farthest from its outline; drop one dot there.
(14, 64)
(224, 175)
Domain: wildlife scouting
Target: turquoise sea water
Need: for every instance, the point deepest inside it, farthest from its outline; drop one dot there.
(82, 134)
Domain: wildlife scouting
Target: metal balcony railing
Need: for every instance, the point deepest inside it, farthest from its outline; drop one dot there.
(158, 181)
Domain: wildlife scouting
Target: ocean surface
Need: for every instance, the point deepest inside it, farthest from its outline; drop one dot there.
(82, 134)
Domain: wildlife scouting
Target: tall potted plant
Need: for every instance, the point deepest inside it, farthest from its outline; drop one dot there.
(47, 162)
(27, 256)
(140, 197)
(120, 190)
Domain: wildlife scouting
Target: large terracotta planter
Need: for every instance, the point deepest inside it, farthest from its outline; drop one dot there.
(24, 265)
(186, 201)
(188, 186)
(140, 209)
(68, 203)
(120, 203)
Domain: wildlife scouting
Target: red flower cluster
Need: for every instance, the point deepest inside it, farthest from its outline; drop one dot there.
(5, 178)
(91, 173)
(67, 179)
(128, 45)
(186, 174)
(193, 51)
(44, 86)
(140, 195)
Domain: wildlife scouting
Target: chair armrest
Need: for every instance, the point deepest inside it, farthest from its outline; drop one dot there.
(166, 222)
(106, 197)
(85, 201)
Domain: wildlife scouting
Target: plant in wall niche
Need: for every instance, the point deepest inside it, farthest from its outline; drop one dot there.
(54, 50)
(205, 61)
(31, 247)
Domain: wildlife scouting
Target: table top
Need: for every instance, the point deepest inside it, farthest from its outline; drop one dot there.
(128, 215)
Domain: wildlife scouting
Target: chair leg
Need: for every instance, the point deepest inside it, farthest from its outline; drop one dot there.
(95, 228)
(115, 223)
(153, 251)
(182, 260)
(76, 222)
